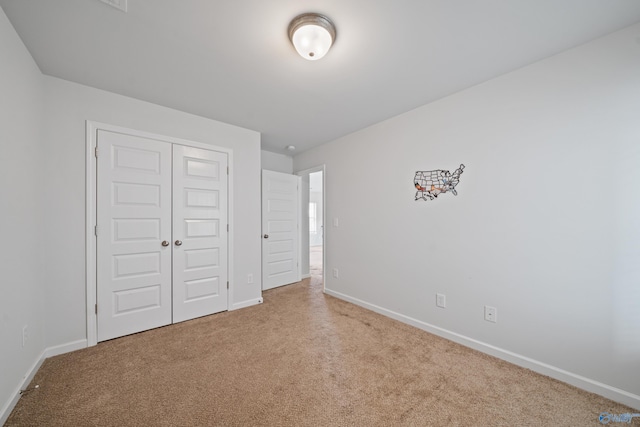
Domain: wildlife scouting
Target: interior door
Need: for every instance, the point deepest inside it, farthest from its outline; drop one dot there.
(280, 234)
(133, 234)
(199, 232)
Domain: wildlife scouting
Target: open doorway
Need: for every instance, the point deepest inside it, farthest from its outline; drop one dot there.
(312, 236)
(316, 223)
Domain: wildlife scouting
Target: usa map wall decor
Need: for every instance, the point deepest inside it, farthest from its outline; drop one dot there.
(433, 183)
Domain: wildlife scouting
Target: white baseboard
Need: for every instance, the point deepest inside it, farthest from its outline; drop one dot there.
(8, 407)
(579, 381)
(46, 353)
(305, 276)
(247, 303)
(65, 348)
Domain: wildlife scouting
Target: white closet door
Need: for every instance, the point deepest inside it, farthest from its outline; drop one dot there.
(134, 218)
(199, 232)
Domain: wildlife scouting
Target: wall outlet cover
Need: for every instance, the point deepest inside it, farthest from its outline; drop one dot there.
(490, 314)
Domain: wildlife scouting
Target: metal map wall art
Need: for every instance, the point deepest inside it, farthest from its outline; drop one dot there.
(433, 183)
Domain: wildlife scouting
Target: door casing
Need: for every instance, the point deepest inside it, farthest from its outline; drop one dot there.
(92, 128)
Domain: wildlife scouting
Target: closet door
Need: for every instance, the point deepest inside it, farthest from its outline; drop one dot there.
(133, 234)
(199, 232)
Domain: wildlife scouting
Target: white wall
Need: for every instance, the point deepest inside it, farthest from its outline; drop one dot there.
(545, 227)
(21, 159)
(276, 162)
(304, 225)
(316, 197)
(68, 105)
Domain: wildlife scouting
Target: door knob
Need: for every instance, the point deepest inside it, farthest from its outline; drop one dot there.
(266, 236)
(165, 243)
(178, 242)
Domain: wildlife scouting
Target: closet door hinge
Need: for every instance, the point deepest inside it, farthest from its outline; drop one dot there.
(227, 228)
(95, 152)
(227, 284)
(96, 308)
(227, 170)
(95, 230)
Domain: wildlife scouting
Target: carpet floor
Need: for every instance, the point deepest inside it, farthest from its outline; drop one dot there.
(302, 358)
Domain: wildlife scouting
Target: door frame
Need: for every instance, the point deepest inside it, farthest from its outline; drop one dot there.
(319, 168)
(92, 128)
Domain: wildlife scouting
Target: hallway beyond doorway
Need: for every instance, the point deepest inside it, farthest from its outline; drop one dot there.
(315, 260)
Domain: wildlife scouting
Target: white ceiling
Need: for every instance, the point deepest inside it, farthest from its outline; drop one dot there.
(231, 60)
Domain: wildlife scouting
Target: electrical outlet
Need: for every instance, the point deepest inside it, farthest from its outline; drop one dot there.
(490, 314)
(336, 223)
(25, 335)
(249, 278)
(335, 273)
(441, 300)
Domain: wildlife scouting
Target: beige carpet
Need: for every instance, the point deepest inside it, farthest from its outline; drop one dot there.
(300, 359)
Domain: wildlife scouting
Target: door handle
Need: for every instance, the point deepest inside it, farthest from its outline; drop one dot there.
(178, 242)
(165, 243)
(266, 236)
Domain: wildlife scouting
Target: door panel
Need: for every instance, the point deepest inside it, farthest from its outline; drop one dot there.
(279, 229)
(134, 217)
(200, 224)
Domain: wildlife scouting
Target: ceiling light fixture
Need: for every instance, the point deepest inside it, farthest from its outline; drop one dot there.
(290, 147)
(312, 35)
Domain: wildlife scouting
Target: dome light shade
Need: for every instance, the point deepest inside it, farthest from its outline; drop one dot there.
(312, 35)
